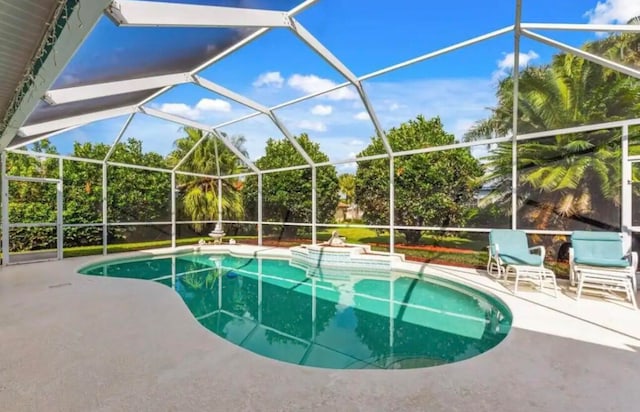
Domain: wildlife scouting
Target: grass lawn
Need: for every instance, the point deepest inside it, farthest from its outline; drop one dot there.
(363, 235)
(469, 251)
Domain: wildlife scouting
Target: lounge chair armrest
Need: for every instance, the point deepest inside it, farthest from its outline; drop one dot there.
(572, 268)
(540, 249)
(633, 259)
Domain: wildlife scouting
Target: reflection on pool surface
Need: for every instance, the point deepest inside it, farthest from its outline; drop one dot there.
(327, 319)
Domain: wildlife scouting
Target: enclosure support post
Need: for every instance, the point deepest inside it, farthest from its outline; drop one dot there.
(392, 201)
(314, 205)
(173, 209)
(5, 211)
(391, 315)
(59, 209)
(219, 199)
(260, 209)
(105, 217)
(259, 291)
(626, 200)
(514, 128)
(314, 308)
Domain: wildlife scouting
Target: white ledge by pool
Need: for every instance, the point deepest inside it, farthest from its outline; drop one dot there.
(77, 343)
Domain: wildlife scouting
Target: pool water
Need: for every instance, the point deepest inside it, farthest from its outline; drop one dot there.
(323, 318)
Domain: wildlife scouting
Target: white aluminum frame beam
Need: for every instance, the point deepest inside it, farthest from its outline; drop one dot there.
(514, 115)
(205, 128)
(291, 138)
(615, 28)
(54, 156)
(626, 195)
(79, 120)
(315, 45)
(310, 96)
(92, 91)
(234, 150)
(118, 137)
(78, 26)
(129, 13)
(238, 98)
(436, 53)
(237, 120)
(223, 91)
(46, 136)
(334, 62)
(139, 167)
(583, 54)
(189, 152)
(4, 201)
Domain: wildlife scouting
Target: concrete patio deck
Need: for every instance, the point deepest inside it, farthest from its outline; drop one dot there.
(70, 342)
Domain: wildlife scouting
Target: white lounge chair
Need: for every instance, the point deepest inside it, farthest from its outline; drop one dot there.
(598, 260)
(510, 254)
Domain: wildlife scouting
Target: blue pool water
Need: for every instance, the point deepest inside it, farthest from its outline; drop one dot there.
(325, 318)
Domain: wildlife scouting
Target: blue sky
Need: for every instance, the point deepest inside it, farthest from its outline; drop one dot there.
(366, 36)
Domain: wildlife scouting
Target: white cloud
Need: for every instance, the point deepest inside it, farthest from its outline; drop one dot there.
(203, 106)
(613, 11)
(347, 167)
(462, 126)
(269, 79)
(356, 142)
(322, 110)
(457, 101)
(313, 84)
(394, 106)
(361, 116)
(505, 65)
(507, 62)
(213, 105)
(312, 125)
(180, 109)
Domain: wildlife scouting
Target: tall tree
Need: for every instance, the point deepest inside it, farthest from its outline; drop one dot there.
(31, 202)
(132, 195)
(347, 183)
(619, 47)
(570, 180)
(286, 196)
(199, 195)
(431, 189)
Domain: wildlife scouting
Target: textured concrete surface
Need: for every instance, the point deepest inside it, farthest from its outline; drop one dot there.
(79, 343)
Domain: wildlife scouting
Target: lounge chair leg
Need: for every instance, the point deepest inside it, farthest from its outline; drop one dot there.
(632, 295)
(541, 281)
(555, 287)
(515, 287)
(579, 292)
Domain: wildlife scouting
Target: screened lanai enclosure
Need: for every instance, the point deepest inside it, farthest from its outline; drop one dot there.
(130, 125)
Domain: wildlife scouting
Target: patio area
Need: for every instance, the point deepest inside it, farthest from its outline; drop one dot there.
(74, 342)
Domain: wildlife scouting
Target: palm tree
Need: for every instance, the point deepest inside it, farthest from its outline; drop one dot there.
(200, 194)
(619, 47)
(347, 184)
(573, 176)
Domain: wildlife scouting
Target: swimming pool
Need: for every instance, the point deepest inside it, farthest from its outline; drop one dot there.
(326, 318)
